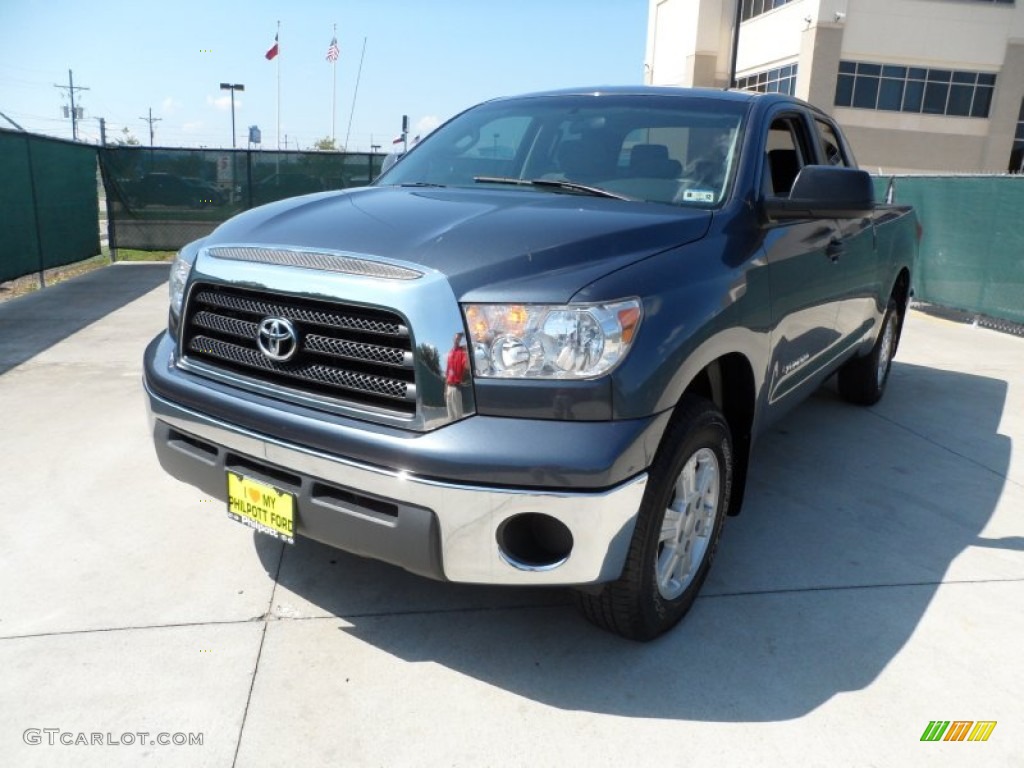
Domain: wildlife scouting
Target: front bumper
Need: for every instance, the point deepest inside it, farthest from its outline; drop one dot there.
(440, 524)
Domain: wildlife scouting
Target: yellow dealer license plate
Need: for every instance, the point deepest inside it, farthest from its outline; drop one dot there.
(261, 506)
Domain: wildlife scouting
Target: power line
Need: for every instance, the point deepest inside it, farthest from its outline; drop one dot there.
(17, 83)
(46, 72)
(28, 115)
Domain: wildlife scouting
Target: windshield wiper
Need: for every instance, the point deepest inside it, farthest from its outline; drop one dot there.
(420, 184)
(569, 186)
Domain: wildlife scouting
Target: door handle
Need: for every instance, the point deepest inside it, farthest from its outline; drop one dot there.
(834, 249)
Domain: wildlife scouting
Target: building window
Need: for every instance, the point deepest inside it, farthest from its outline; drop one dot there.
(1017, 155)
(863, 85)
(781, 80)
(752, 8)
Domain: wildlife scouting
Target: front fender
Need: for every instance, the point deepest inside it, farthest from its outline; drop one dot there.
(697, 308)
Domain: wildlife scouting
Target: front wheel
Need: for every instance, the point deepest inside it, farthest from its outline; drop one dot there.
(862, 380)
(677, 529)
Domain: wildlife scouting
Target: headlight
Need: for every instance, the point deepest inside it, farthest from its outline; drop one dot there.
(180, 270)
(541, 341)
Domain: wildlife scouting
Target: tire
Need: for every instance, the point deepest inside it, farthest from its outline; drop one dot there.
(674, 541)
(862, 380)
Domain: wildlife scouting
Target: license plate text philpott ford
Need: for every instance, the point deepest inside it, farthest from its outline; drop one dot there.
(262, 507)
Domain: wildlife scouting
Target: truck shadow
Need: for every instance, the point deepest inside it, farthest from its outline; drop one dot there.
(33, 323)
(853, 518)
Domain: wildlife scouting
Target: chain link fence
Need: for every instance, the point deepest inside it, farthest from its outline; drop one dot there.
(161, 199)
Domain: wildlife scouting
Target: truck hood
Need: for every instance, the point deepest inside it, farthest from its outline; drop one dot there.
(491, 244)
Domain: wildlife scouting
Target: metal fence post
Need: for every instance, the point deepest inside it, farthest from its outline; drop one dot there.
(102, 152)
(248, 178)
(35, 211)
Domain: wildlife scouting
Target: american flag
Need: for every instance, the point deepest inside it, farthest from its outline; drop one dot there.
(332, 51)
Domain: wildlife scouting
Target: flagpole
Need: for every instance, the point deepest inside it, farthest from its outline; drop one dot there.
(354, 94)
(334, 87)
(278, 57)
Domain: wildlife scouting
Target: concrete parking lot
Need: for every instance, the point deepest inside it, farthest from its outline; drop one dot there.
(874, 583)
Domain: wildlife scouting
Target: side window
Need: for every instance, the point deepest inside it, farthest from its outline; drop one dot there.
(785, 154)
(830, 143)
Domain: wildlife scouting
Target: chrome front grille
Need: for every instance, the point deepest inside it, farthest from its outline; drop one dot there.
(352, 355)
(334, 315)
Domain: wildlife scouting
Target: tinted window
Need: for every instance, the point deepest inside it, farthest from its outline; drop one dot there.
(982, 102)
(865, 92)
(893, 88)
(667, 149)
(830, 144)
(785, 155)
(890, 95)
(780, 80)
(960, 100)
(935, 95)
(844, 91)
(913, 95)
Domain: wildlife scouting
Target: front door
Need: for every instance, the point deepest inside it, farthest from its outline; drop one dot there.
(803, 272)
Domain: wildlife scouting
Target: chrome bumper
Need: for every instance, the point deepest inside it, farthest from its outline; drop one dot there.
(467, 517)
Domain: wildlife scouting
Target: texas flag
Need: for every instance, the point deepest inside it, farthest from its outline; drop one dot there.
(273, 50)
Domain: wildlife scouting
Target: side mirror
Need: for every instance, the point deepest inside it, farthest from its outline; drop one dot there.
(825, 191)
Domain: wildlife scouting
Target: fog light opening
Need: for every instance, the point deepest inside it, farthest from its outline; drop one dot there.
(534, 542)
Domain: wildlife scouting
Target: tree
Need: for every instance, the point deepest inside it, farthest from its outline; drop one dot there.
(430, 357)
(326, 144)
(127, 139)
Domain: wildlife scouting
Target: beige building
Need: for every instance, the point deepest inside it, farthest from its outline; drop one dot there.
(918, 85)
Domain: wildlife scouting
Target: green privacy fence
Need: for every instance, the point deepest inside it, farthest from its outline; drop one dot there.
(972, 249)
(161, 199)
(49, 201)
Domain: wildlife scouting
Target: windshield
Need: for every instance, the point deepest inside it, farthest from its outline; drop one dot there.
(667, 149)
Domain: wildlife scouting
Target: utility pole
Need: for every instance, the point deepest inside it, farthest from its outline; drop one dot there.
(151, 120)
(71, 88)
(103, 132)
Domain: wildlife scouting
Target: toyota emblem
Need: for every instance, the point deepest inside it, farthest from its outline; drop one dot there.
(277, 339)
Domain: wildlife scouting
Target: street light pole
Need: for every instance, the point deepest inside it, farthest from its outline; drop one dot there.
(735, 44)
(232, 87)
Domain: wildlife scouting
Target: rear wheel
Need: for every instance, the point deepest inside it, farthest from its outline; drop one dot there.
(862, 380)
(677, 529)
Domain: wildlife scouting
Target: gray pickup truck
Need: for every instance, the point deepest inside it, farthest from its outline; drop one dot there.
(538, 349)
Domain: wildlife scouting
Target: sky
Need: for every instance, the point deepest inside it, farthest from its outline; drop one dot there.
(427, 60)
